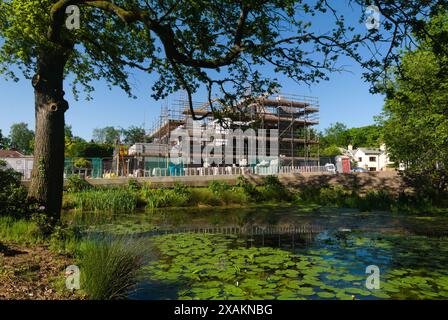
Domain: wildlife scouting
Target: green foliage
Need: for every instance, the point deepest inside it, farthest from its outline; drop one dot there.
(234, 197)
(181, 189)
(218, 187)
(201, 196)
(163, 197)
(198, 37)
(340, 197)
(68, 133)
(331, 151)
(13, 196)
(19, 230)
(4, 141)
(272, 182)
(82, 163)
(334, 196)
(133, 185)
(66, 239)
(369, 136)
(76, 184)
(110, 266)
(110, 200)
(415, 118)
(273, 190)
(21, 138)
(249, 189)
(106, 135)
(339, 136)
(217, 194)
(77, 147)
(44, 223)
(335, 135)
(133, 135)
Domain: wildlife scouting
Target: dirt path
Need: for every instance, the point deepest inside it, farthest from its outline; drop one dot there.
(31, 273)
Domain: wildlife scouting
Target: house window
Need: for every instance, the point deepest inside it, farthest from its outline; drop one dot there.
(372, 159)
(372, 169)
(360, 159)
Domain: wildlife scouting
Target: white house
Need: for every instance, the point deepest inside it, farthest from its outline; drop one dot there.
(371, 159)
(18, 162)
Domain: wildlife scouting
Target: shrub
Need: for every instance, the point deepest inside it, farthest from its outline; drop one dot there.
(333, 196)
(272, 182)
(233, 197)
(336, 196)
(13, 196)
(66, 238)
(204, 197)
(82, 163)
(310, 194)
(274, 190)
(249, 189)
(133, 185)
(218, 187)
(181, 189)
(110, 266)
(76, 184)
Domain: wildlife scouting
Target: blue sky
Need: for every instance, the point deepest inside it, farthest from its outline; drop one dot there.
(345, 98)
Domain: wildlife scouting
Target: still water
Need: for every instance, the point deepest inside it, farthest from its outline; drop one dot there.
(284, 253)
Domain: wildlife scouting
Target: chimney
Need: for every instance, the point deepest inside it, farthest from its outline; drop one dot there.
(350, 147)
(383, 147)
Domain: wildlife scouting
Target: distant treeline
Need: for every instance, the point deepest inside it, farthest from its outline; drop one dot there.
(338, 135)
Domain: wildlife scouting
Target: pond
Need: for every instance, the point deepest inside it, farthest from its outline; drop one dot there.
(287, 253)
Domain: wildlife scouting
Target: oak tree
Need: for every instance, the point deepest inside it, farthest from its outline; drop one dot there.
(221, 46)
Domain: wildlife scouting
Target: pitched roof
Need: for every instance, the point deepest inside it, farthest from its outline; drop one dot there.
(10, 154)
(370, 151)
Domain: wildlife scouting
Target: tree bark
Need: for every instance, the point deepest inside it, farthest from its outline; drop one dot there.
(47, 177)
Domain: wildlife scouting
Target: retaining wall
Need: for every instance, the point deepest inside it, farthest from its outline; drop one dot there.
(360, 182)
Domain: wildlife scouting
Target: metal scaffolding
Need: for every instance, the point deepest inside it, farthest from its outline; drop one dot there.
(294, 117)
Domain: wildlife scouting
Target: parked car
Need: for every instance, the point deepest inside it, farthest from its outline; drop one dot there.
(359, 170)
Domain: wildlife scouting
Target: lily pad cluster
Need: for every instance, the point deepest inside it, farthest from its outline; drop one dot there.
(206, 266)
(214, 266)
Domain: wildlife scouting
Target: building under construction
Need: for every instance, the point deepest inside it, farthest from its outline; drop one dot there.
(292, 117)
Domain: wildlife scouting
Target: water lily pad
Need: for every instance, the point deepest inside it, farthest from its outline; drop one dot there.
(326, 295)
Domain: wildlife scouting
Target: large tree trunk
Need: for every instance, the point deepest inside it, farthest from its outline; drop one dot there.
(47, 177)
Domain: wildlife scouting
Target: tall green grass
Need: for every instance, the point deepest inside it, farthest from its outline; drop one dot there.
(218, 187)
(112, 200)
(110, 266)
(218, 193)
(19, 230)
(206, 197)
(179, 196)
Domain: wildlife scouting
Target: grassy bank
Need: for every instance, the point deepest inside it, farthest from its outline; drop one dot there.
(109, 265)
(244, 193)
(135, 195)
(372, 200)
(35, 249)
